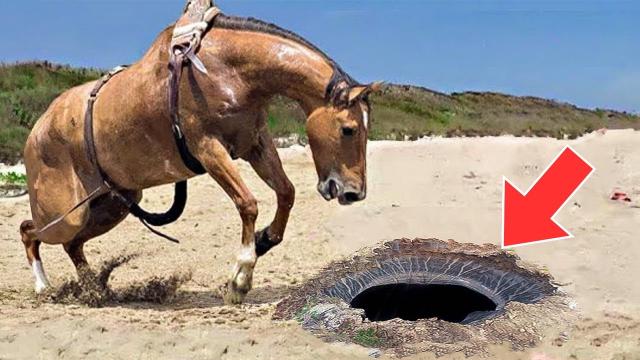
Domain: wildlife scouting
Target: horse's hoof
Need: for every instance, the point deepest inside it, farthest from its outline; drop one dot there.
(41, 287)
(42, 283)
(233, 298)
(232, 295)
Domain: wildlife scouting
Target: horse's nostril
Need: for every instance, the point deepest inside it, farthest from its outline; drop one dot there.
(333, 188)
(351, 196)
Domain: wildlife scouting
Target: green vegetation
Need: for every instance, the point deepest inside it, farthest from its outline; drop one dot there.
(26, 90)
(285, 118)
(399, 112)
(306, 309)
(12, 178)
(368, 338)
(408, 112)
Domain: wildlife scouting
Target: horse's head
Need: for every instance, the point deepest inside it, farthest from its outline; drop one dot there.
(338, 137)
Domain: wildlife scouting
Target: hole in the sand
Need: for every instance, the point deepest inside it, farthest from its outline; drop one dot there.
(411, 302)
(409, 296)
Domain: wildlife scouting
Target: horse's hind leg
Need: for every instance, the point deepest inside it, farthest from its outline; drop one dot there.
(75, 250)
(106, 212)
(32, 247)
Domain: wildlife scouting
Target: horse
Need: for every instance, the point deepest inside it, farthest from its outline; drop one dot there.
(224, 113)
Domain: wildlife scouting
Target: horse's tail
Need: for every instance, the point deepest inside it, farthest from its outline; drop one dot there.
(172, 215)
(152, 219)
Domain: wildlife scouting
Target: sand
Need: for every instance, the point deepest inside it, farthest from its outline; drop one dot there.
(435, 187)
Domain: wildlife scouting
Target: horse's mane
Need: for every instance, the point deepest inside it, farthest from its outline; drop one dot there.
(256, 25)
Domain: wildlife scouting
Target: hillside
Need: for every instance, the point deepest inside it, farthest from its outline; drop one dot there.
(400, 111)
(26, 90)
(417, 111)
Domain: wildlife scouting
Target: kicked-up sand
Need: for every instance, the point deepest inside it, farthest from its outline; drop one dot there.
(435, 187)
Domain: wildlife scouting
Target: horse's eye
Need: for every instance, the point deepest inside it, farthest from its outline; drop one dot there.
(348, 131)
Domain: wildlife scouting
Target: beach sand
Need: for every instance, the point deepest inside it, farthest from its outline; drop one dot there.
(444, 188)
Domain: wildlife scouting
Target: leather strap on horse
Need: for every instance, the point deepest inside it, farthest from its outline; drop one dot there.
(175, 66)
(188, 32)
(106, 185)
(147, 219)
(187, 35)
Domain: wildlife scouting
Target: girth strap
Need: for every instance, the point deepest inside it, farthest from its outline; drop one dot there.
(89, 143)
(175, 67)
(185, 42)
(148, 219)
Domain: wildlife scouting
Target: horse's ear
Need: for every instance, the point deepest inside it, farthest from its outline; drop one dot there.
(359, 91)
(376, 86)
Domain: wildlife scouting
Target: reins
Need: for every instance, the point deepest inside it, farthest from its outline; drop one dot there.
(187, 35)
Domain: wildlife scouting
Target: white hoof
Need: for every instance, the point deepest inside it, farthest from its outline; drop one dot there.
(41, 287)
(42, 283)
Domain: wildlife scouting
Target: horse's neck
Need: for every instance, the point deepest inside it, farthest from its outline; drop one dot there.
(273, 65)
(267, 64)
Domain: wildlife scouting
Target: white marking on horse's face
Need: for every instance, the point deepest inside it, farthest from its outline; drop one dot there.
(365, 118)
(41, 279)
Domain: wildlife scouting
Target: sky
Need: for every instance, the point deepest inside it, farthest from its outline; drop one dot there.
(585, 52)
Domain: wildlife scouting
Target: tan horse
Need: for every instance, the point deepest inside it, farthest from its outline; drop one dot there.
(224, 117)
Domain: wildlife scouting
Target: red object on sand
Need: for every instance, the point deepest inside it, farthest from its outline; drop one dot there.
(620, 196)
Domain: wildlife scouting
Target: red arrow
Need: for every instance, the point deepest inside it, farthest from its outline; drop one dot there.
(528, 218)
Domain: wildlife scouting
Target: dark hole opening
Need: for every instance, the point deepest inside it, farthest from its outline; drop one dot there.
(411, 302)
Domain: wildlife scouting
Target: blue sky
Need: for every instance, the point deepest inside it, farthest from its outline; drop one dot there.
(582, 51)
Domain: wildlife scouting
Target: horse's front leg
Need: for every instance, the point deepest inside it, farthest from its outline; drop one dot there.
(266, 162)
(216, 159)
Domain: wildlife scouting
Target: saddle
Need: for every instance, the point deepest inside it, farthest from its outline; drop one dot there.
(189, 29)
(187, 35)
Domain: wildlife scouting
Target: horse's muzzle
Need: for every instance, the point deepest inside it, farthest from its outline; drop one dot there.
(333, 188)
(349, 198)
